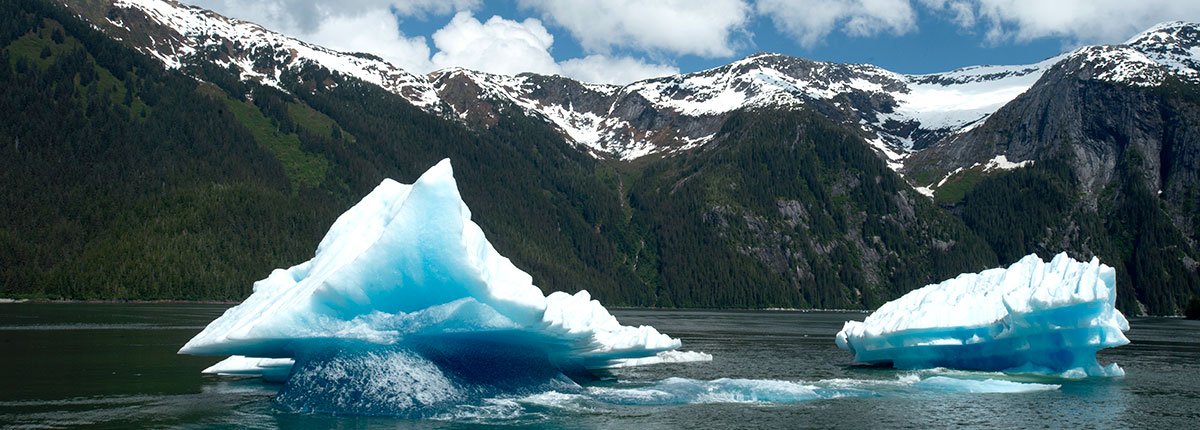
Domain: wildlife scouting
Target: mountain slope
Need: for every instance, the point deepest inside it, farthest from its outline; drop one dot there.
(127, 180)
(798, 209)
(1118, 131)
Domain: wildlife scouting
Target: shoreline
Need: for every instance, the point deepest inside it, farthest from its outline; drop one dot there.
(120, 301)
(8, 300)
(233, 302)
(656, 308)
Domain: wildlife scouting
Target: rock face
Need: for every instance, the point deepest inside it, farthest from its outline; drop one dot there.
(1067, 113)
(1093, 104)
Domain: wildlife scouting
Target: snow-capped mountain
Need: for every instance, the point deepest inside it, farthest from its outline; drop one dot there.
(1055, 111)
(179, 34)
(898, 114)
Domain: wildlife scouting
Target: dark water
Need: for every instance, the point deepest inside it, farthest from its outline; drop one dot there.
(114, 366)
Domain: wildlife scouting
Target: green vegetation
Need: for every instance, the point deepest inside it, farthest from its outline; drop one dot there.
(1013, 210)
(957, 186)
(123, 181)
(316, 123)
(303, 169)
(1035, 210)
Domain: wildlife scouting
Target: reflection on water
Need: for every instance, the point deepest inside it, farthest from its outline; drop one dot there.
(115, 366)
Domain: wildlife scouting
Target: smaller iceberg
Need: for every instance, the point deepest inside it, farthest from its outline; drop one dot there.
(406, 309)
(1032, 317)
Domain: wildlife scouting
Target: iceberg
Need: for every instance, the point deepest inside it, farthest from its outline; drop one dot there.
(407, 309)
(1032, 317)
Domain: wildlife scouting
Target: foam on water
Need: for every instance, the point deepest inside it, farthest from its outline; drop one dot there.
(690, 391)
(680, 391)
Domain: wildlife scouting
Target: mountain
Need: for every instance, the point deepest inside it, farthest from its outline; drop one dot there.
(1165, 58)
(1110, 136)
(896, 113)
(773, 181)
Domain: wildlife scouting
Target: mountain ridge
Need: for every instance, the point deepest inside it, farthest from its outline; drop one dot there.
(898, 114)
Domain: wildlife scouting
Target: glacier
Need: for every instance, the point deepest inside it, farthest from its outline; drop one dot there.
(406, 309)
(1032, 317)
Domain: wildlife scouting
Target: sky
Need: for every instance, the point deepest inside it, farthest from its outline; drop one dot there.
(621, 41)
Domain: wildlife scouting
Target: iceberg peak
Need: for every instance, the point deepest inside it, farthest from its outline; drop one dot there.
(403, 275)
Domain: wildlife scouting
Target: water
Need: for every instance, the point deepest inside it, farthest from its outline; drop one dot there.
(114, 366)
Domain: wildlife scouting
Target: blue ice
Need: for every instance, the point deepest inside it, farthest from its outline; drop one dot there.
(407, 309)
(1033, 316)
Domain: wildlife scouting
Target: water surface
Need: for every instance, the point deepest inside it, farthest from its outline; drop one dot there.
(114, 366)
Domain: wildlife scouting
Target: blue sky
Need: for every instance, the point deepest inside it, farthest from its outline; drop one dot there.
(618, 41)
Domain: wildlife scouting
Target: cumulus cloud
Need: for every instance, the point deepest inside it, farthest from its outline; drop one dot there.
(498, 46)
(1076, 21)
(809, 22)
(680, 27)
(374, 33)
(509, 47)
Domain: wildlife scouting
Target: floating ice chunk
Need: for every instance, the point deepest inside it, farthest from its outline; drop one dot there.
(271, 369)
(405, 277)
(956, 385)
(1031, 317)
(665, 357)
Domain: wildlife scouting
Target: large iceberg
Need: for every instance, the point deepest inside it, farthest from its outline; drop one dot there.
(1033, 317)
(406, 309)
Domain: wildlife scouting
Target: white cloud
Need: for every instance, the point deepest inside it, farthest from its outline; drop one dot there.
(509, 47)
(704, 28)
(1077, 21)
(614, 70)
(811, 21)
(375, 33)
(497, 46)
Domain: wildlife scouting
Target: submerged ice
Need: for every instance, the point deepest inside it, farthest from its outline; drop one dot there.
(406, 309)
(1034, 317)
